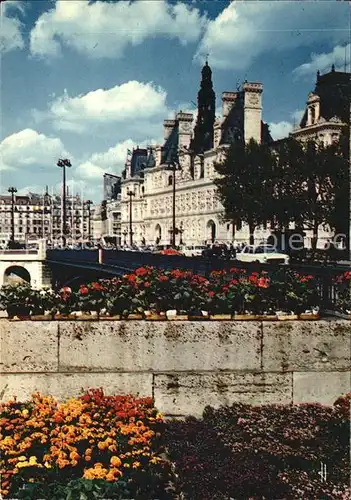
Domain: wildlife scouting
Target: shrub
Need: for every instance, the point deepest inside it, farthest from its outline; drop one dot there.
(271, 451)
(343, 287)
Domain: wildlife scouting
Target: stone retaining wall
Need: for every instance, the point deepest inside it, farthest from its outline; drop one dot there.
(183, 365)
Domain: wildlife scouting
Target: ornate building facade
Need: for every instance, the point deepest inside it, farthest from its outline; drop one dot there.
(38, 216)
(147, 181)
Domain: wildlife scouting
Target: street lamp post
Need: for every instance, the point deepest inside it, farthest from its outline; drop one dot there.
(173, 165)
(89, 203)
(130, 194)
(63, 163)
(12, 190)
(125, 232)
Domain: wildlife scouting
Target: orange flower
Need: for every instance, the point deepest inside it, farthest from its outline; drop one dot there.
(115, 461)
(74, 455)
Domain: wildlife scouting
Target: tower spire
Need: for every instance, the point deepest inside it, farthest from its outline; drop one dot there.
(206, 102)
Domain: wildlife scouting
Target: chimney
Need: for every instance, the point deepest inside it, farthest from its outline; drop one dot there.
(168, 126)
(228, 101)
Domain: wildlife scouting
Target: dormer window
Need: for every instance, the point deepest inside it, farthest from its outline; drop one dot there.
(313, 114)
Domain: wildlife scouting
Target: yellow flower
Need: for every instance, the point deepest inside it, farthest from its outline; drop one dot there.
(136, 465)
(115, 461)
(47, 465)
(22, 458)
(25, 413)
(20, 465)
(33, 460)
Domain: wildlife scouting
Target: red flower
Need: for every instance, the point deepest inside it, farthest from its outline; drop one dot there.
(131, 277)
(263, 282)
(141, 271)
(211, 293)
(147, 284)
(83, 290)
(163, 278)
(96, 286)
(234, 270)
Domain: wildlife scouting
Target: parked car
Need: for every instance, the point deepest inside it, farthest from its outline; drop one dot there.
(193, 250)
(262, 253)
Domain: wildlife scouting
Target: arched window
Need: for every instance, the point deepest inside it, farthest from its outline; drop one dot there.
(170, 180)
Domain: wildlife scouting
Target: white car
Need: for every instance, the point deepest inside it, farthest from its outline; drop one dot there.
(266, 254)
(192, 250)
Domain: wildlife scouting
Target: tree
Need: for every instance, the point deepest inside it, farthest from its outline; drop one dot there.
(287, 184)
(244, 186)
(339, 174)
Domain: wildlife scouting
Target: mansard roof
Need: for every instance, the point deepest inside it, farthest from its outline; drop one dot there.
(170, 147)
(334, 92)
(138, 161)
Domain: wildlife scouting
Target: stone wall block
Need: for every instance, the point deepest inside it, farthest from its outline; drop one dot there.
(27, 346)
(180, 394)
(307, 346)
(159, 346)
(322, 387)
(66, 385)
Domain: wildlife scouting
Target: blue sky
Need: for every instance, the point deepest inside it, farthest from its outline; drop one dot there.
(89, 79)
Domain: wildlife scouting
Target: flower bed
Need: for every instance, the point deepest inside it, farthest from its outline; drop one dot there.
(149, 293)
(263, 452)
(96, 445)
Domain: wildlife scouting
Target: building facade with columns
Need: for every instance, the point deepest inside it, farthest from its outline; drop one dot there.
(147, 181)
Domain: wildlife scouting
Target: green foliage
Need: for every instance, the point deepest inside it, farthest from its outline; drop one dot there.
(293, 182)
(76, 489)
(244, 185)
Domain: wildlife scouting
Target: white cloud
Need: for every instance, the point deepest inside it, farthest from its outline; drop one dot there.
(245, 30)
(10, 32)
(128, 102)
(34, 188)
(28, 148)
(106, 29)
(282, 129)
(111, 161)
(323, 62)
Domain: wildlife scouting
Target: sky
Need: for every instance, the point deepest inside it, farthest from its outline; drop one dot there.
(87, 80)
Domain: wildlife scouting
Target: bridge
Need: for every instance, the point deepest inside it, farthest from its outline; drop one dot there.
(25, 265)
(45, 267)
(72, 267)
(65, 267)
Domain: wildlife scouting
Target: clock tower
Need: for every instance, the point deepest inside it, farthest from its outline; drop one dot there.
(206, 100)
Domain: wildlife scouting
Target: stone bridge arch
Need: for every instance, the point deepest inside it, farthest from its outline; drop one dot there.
(16, 274)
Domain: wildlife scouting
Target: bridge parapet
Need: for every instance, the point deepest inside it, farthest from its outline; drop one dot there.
(25, 265)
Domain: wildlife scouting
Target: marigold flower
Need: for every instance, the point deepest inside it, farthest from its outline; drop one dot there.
(115, 461)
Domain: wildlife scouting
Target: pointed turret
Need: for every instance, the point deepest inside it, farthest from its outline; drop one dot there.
(206, 99)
